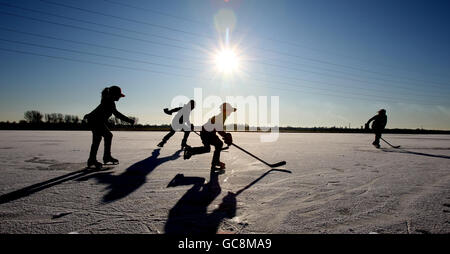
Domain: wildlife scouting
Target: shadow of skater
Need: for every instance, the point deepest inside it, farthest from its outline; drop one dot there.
(134, 177)
(415, 153)
(26, 191)
(190, 216)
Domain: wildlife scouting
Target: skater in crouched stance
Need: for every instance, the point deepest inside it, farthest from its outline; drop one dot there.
(209, 138)
(379, 122)
(97, 121)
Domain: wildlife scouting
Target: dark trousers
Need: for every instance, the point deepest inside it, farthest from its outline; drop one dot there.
(209, 139)
(377, 137)
(99, 130)
(172, 132)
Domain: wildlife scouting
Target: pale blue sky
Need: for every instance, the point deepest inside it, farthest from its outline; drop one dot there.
(332, 63)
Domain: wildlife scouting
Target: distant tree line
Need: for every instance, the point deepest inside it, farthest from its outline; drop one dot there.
(36, 117)
(35, 120)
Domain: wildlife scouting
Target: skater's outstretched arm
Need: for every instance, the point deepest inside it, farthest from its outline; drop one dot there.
(370, 120)
(121, 116)
(169, 112)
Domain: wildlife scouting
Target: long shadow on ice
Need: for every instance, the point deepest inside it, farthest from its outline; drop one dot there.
(26, 191)
(414, 153)
(134, 177)
(189, 215)
(261, 177)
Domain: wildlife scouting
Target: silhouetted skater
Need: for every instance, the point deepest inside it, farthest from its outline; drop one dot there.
(379, 122)
(209, 137)
(182, 123)
(97, 122)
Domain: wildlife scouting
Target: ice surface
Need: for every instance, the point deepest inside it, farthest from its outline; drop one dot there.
(332, 183)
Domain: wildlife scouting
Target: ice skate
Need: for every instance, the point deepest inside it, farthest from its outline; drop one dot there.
(218, 168)
(187, 152)
(107, 159)
(95, 163)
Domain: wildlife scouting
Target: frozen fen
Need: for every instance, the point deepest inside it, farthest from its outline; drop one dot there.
(332, 183)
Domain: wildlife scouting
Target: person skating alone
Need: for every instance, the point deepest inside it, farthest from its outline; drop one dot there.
(97, 122)
(379, 123)
(180, 122)
(210, 138)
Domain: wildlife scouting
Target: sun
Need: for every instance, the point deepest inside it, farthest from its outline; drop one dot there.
(227, 61)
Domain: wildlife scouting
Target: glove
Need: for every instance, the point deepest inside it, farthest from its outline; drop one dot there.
(228, 139)
(166, 110)
(366, 126)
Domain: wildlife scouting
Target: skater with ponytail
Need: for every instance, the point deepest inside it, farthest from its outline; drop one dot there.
(97, 122)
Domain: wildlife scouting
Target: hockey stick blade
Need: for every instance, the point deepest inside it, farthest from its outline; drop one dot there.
(279, 164)
(390, 144)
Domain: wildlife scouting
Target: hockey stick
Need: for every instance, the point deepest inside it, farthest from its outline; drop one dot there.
(390, 144)
(278, 164)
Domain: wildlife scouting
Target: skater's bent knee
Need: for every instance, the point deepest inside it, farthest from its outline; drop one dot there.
(219, 144)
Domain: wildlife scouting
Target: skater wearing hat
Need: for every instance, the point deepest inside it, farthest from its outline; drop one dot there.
(97, 122)
(379, 122)
(210, 138)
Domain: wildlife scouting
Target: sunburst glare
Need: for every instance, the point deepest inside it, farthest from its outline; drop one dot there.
(227, 61)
